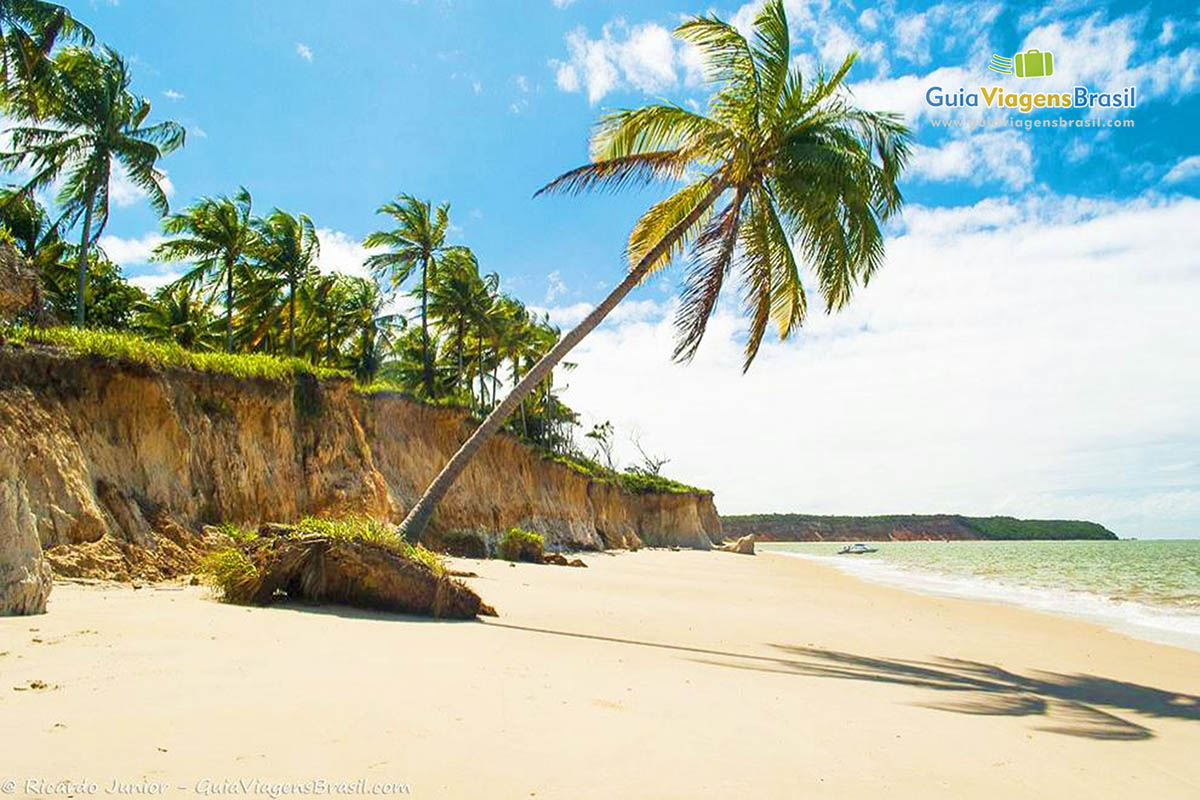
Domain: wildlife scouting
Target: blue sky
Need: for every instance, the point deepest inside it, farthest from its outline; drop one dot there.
(1027, 351)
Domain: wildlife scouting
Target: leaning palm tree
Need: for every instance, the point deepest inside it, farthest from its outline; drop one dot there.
(29, 30)
(418, 242)
(98, 125)
(219, 235)
(778, 160)
(287, 255)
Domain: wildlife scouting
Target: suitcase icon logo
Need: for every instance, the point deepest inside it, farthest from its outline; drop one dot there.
(1033, 63)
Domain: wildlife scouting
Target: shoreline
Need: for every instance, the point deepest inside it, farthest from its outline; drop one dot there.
(1157, 624)
(654, 674)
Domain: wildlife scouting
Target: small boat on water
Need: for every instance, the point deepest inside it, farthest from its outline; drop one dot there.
(858, 548)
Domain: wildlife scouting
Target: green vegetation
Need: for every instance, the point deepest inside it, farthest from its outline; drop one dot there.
(238, 534)
(97, 126)
(521, 545)
(365, 529)
(1011, 528)
(228, 570)
(633, 479)
(791, 527)
(132, 349)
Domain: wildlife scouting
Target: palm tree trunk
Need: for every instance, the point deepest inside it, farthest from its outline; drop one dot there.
(426, 366)
(81, 285)
(292, 318)
(482, 376)
(419, 516)
(229, 307)
(461, 345)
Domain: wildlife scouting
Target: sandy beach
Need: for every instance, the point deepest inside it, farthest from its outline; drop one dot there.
(653, 674)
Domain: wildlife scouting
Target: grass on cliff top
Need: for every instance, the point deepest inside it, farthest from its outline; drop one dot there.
(633, 482)
(132, 349)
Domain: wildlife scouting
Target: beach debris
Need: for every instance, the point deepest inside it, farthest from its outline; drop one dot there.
(561, 560)
(744, 545)
(330, 569)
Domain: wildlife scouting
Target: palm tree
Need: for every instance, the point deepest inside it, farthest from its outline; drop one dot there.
(29, 30)
(459, 303)
(417, 242)
(288, 254)
(217, 233)
(97, 121)
(364, 309)
(178, 314)
(776, 160)
(31, 228)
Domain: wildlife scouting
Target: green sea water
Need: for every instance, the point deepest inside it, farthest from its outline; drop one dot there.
(1146, 587)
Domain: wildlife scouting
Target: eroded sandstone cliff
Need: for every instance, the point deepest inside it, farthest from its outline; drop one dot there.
(113, 469)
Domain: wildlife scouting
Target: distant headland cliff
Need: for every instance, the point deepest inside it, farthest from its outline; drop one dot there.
(906, 527)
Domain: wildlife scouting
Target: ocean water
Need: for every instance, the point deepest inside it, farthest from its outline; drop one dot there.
(1145, 588)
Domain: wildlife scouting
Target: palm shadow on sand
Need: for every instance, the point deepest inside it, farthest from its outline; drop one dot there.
(1073, 705)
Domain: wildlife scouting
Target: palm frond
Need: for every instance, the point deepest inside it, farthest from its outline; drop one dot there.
(712, 256)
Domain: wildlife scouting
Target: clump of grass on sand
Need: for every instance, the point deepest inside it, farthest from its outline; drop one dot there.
(521, 545)
(228, 570)
(132, 349)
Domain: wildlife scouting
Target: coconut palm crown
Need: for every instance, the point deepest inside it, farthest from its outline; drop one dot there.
(782, 171)
(98, 125)
(219, 234)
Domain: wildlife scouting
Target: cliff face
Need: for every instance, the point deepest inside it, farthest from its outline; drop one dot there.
(907, 527)
(112, 469)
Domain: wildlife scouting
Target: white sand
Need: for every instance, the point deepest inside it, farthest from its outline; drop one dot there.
(649, 675)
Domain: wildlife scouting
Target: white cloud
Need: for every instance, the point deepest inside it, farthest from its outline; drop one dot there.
(341, 252)
(1027, 357)
(123, 192)
(171, 94)
(130, 252)
(643, 57)
(1167, 34)
(133, 256)
(562, 3)
(1186, 169)
(1002, 156)
(304, 51)
(150, 282)
(555, 288)
(1105, 55)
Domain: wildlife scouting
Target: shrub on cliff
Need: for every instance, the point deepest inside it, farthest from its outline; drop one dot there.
(521, 545)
